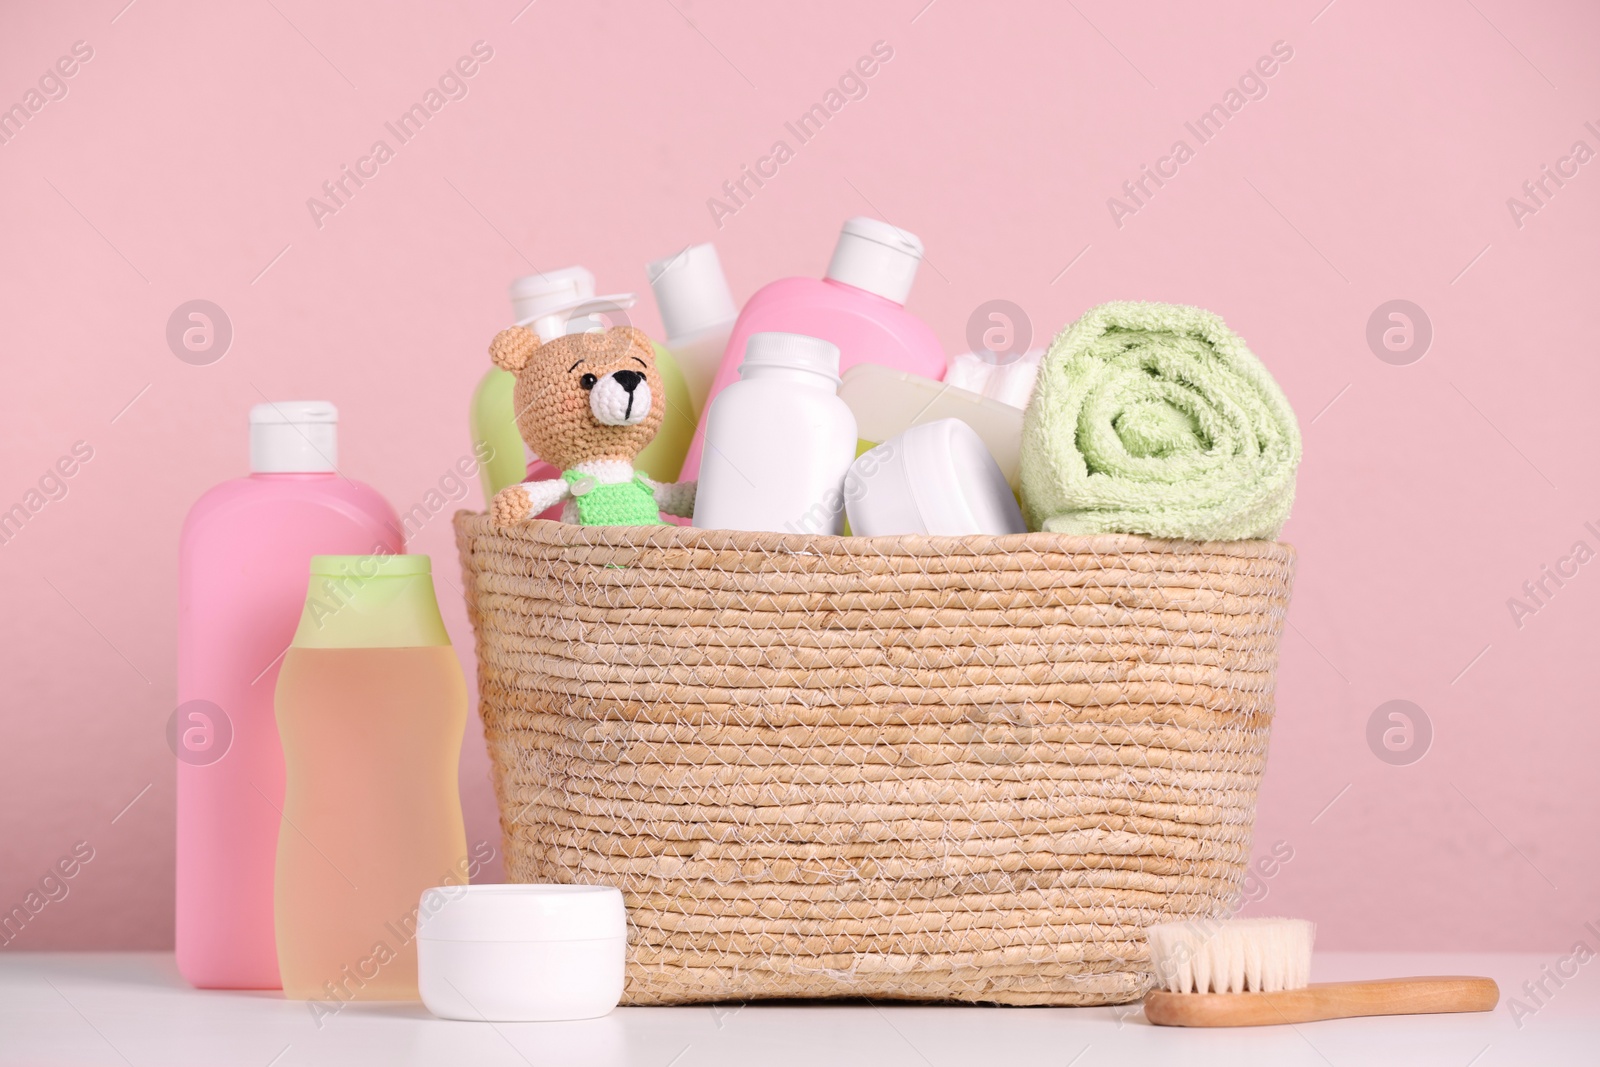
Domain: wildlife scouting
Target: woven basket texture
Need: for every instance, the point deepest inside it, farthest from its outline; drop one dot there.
(959, 769)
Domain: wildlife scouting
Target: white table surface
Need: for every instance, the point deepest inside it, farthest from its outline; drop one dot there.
(133, 1009)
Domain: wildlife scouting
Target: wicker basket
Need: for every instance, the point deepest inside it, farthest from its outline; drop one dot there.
(926, 768)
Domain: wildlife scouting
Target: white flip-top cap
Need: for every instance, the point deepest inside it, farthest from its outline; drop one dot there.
(795, 351)
(532, 294)
(294, 437)
(877, 257)
(691, 292)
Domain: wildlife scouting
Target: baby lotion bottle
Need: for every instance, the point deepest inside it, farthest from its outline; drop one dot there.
(859, 306)
(779, 441)
(371, 705)
(242, 562)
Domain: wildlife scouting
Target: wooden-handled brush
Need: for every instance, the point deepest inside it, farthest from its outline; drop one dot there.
(1254, 972)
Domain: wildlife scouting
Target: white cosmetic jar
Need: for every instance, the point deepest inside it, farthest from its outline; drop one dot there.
(521, 953)
(934, 478)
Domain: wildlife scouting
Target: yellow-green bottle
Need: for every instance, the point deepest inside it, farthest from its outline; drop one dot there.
(495, 434)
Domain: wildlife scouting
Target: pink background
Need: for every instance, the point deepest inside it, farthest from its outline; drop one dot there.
(1377, 167)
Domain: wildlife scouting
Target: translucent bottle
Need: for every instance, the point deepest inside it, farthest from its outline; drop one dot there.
(371, 707)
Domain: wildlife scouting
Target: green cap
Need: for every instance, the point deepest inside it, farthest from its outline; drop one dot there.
(379, 601)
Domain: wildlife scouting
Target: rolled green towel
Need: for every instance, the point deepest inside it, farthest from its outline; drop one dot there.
(1156, 419)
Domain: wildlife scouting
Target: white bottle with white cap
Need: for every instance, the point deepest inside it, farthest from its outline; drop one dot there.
(697, 312)
(859, 306)
(779, 441)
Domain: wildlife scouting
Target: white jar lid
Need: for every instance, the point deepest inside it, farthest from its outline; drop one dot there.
(508, 913)
(294, 437)
(877, 257)
(794, 351)
(936, 478)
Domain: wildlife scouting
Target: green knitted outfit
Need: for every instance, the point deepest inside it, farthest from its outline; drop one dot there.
(630, 503)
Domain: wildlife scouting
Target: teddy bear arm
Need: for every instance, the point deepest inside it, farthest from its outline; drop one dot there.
(545, 494)
(517, 502)
(674, 498)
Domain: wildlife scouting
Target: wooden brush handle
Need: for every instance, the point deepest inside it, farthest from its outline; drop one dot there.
(1330, 1000)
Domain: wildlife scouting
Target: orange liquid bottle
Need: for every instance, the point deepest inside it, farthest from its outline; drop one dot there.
(371, 706)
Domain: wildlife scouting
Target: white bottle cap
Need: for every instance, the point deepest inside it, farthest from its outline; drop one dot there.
(533, 293)
(691, 291)
(294, 437)
(877, 257)
(794, 351)
(576, 316)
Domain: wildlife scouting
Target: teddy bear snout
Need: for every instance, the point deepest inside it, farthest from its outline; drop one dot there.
(621, 398)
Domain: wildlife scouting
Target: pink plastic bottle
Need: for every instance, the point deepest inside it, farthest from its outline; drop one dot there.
(859, 306)
(243, 563)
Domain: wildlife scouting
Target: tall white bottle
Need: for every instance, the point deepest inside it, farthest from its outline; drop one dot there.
(698, 313)
(779, 441)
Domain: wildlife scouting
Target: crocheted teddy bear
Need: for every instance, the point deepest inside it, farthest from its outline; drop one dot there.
(587, 403)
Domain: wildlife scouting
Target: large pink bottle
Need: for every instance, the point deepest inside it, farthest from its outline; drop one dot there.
(243, 562)
(859, 306)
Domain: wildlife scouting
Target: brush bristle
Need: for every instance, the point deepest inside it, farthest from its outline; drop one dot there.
(1231, 955)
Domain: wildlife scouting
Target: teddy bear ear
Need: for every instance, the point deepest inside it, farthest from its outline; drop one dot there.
(512, 346)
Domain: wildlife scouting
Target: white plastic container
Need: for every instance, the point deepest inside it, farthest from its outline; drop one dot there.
(698, 313)
(778, 441)
(521, 953)
(888, 401)
(935, 478)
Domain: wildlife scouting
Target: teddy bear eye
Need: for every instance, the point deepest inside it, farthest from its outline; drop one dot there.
(587, 381)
